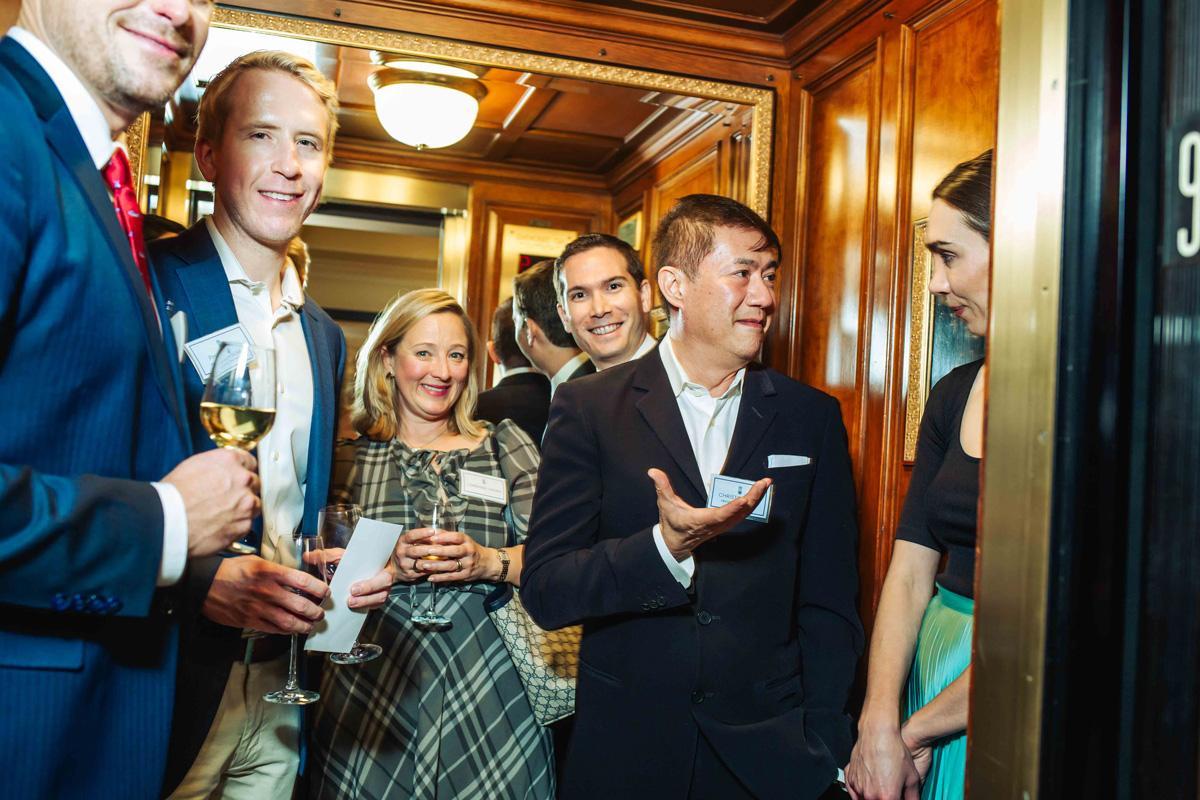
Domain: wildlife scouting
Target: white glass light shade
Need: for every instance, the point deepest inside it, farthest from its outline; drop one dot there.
(425, 115)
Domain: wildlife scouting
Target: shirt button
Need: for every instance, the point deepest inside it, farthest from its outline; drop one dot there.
(275, 456)
(282, 390)
(704, 618)
(697, 697)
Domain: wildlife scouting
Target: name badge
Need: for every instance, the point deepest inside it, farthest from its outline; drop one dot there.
(725, 489)
(484, 487)
(203, 350)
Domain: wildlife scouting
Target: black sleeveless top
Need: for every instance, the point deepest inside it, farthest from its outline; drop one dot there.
(940, 511)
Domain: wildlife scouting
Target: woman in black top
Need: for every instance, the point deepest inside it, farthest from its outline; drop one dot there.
(912, 732)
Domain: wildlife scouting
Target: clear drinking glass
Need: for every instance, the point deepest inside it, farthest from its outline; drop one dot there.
(336, 525)
(238, 406)
(438, 517)
(310, 554)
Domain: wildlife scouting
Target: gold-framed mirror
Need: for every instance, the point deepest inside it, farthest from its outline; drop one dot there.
(564, 145)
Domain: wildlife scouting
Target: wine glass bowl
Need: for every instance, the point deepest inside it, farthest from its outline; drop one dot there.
(238, 406)
(336, 524)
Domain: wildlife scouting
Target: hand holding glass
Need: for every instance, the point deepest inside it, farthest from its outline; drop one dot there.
(238, 406)
(310, 555)
(336, 524)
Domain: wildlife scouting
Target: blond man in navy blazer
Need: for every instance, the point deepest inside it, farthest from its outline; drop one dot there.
(718, 650)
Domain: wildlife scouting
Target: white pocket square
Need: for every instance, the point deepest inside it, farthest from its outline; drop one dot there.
(179, 329)
(775, 461)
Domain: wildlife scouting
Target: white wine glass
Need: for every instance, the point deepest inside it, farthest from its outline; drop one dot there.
(238, 406)
(336, 524)
(310, 555)
(439, 518)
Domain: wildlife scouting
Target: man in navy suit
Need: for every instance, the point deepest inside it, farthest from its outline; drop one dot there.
(718, 647)
(91, 418)
(265, 135)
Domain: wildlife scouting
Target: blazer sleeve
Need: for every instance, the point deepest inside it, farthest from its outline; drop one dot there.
(830, 631)
(571, 572)
(65, 536)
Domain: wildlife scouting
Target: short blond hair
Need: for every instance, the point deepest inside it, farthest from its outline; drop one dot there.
(373, 408)
(214, 103)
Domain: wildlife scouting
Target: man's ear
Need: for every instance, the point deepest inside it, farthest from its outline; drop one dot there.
(206, 159)
(533, 332)
(672, 283)
(566, 318)
(491, 350)
(646, 298)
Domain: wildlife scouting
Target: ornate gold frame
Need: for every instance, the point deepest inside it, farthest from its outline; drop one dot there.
(761, 100)
(919, 337)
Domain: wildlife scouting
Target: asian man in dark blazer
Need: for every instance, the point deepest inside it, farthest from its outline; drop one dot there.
(721, 635)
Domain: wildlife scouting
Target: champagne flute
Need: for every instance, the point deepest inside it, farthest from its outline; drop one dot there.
(336, 525)
(238, 406)
(438, 518)
(310, 554)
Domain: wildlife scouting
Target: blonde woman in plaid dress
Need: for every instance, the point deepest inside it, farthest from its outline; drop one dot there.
(441, 715)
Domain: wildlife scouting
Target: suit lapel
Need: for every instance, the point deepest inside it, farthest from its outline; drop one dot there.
(205, 284)
(64, 139)
(660, 409)
(755, 415)
(320, 434)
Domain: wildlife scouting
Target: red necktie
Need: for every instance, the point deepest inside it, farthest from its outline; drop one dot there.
(120, 183)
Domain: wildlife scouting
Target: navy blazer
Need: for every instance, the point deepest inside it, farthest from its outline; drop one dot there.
(759, 655)
(90, 410)
(195, 285)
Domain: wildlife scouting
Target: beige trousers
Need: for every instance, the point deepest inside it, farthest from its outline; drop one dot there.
(252, 749)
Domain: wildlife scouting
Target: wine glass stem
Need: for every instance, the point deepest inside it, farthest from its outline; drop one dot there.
(433, 598)
(293, 658)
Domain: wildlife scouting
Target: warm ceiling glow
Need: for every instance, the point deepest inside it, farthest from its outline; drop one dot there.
(426, 104)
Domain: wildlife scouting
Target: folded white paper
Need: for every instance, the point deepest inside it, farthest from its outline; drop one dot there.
(777, 461)
(369, 550)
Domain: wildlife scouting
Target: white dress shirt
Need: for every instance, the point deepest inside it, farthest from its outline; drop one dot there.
(709, 422)
(565, 371)
(648, 344)
(97, 137)
(283, 452)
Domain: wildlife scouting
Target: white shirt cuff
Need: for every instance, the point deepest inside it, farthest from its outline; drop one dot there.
(175, 535)
(681, 571)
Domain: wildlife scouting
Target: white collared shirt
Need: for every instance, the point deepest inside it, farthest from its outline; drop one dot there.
(502, 372)
(709, 422)
(97, 137)
(282, 453)
(566, 371)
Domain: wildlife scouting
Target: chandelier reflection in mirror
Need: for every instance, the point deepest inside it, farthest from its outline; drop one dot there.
(425, 104)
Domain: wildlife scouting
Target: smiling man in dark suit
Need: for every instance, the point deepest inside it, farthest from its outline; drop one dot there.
(91, 418)
(264, 139)
(522, 395)
(720, 636)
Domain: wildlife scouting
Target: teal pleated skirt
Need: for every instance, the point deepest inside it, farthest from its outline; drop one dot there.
(943, 652)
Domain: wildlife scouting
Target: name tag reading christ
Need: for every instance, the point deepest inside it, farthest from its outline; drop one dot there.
(725, 488)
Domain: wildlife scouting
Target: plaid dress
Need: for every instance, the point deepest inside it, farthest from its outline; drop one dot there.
(441, 715)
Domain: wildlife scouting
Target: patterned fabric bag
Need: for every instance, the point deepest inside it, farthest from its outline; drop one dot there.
(546, 661)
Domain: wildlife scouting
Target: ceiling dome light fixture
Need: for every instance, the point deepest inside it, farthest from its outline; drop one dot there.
(425, 104)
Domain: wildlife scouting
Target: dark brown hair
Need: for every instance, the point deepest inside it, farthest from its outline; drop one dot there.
(590, 241)
(504, 337)
(535, 298)
(968, 187)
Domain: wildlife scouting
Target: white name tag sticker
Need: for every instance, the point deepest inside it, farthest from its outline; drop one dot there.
(203, 351)
(484, 487)
(777, 461)
(725, 489)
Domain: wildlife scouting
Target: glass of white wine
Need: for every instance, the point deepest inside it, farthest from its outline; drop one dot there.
(238, 406)
(438, 518)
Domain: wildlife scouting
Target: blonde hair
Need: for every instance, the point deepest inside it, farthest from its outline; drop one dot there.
(215, 102)
(373, 410)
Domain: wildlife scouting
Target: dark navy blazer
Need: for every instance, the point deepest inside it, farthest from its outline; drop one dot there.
(195, 284)
(90, 410)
